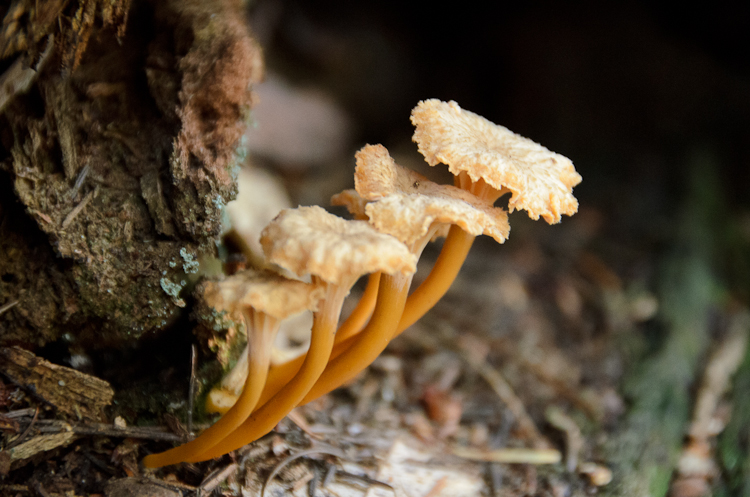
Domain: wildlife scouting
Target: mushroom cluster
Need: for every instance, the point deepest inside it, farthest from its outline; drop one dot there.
(396, 213)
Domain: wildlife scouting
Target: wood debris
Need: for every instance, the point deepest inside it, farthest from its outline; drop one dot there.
(76, 394)
(696, 467)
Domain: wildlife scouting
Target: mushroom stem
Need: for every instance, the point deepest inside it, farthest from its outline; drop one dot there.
(368, 345)
(280, 374)
(362, 312)
(480, 188)
(266, 417)
(455, 249)
(261, 330)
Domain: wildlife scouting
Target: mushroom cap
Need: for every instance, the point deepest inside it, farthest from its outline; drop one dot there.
(264, 291)
(309, 240)
(405, 204)
(378, 175)
(409, 217)
(540, 181)
(352, 201)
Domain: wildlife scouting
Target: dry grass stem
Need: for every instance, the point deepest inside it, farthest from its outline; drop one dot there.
(573, 439)
(510, 455)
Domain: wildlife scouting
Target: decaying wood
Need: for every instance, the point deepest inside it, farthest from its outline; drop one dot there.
(121, 151)
(76, 394)
(41, 443)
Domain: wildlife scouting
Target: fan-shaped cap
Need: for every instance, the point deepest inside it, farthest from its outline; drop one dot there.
(378, 175)
(264, 291)
(409, 217)
(406, 204)
(352, 201)
(309, 240)
(540, 181)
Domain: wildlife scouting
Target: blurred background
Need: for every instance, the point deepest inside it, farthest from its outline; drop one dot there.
(632, 92)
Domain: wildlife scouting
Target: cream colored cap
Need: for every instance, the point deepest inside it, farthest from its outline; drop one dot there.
(406, 204)
(378, 175)
(309, 240)
(409, 217)
(264, 291)
(540, 181)
(352, 201)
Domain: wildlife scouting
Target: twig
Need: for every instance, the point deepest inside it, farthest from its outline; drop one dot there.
(510, 455)
(216, 478)
(78, 208)
(191, 390)
(696, 466)
(107, 430)
(438, 487)
(344, 475)
(79, 180)
(296, 417)
(573, 438)
(332, 451)
(25, 432)
(503, 390)
(8, 306)
(330, 473)
(721, 366)
(18, 78)
(12, 489)
(305, 480)
(20, 413)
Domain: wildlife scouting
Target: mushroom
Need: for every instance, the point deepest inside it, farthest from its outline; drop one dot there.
(362, 312)
(377, 176)
(413, 209)
(335, 252)
(488, 160)
(262, 300)
(496, 160)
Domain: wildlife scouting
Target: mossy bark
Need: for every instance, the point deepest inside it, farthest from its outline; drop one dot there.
(122, 154)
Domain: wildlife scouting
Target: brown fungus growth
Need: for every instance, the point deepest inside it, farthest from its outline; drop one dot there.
(262, 300)
(335, 253)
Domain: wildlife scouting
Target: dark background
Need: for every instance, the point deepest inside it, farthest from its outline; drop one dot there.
(634, 93)
(622, 88)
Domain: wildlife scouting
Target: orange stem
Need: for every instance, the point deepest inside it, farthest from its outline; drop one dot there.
(455, 249)
(359, 316)
(266, 417)
(368, 345)
(280, 374)
(261, 331)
